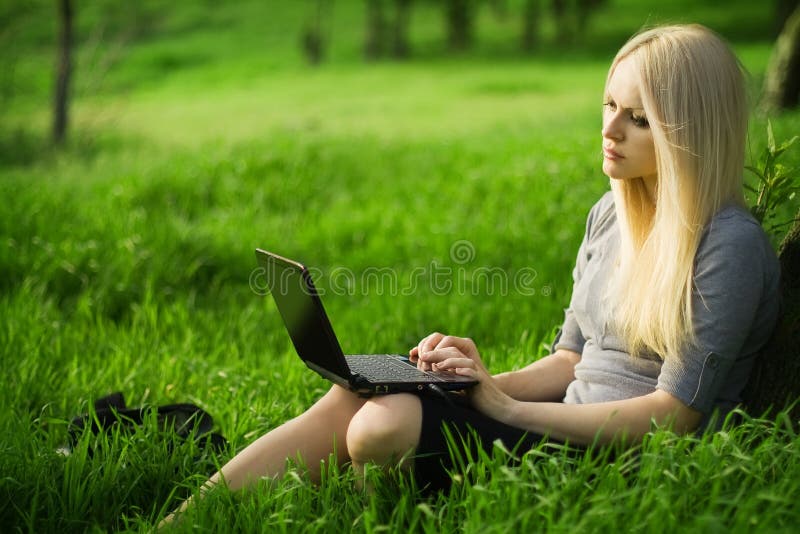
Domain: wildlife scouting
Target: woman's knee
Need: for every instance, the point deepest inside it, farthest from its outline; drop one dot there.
(339, 400)
(385, 428)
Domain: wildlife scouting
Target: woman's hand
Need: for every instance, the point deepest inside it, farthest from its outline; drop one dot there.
(459, 355)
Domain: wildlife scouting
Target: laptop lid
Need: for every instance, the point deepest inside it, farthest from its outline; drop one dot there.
(301, 309)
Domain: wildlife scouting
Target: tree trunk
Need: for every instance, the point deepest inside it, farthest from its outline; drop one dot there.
(499, 8)
(530, 25)
(775, 380)
(402, 18)
(783, 10)
(313, 38)
(584, 9)
(782, 81)
(459, 24)
(375, 30)
(563, 27)
(63, 72)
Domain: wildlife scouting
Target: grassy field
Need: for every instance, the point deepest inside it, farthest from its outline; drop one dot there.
(126, 263)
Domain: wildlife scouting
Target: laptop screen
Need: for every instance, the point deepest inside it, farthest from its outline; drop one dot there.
(301, 309)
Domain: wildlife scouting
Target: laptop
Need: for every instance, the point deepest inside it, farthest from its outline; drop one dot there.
(301, 308)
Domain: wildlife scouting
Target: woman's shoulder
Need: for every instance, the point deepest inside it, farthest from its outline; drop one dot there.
(734, 235)
(604, 205)
(735, 224)
(602, 215)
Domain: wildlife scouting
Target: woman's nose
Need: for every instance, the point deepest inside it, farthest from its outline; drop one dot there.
(611, 129)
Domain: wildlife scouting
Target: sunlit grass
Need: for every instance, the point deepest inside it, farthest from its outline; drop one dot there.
(125, 264)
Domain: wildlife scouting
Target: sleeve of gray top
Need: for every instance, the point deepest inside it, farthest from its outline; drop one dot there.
(570, 336)
(728, 284)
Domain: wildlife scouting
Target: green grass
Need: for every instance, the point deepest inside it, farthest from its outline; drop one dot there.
(126, 258)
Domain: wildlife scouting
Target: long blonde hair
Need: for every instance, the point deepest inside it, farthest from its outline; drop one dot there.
(693, 94)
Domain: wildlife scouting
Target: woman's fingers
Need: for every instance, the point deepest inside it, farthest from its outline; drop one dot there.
(438, 355)
(464, 344)
(449, 359)
(438, 341)
(427, 344)
(430, 342)
(452, 364)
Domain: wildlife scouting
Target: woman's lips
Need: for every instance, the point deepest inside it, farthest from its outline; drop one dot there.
(610, 154)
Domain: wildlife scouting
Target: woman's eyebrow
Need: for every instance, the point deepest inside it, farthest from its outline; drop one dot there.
(626, 108)
(608, 97)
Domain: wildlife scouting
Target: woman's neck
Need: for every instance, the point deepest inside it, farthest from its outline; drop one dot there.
(651, 185)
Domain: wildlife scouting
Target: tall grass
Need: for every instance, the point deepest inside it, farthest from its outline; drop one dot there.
(126, 263)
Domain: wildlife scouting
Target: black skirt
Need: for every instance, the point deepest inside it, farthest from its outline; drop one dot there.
(471, 432)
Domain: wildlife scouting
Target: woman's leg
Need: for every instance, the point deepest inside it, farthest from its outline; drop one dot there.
(311, 436)
(385, 430)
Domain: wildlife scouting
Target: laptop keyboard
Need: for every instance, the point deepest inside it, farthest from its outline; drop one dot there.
(389, 368)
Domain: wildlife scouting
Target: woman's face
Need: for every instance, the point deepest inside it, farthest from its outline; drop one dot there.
(628, 149)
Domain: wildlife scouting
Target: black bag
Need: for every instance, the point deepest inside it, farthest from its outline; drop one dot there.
(184, 420)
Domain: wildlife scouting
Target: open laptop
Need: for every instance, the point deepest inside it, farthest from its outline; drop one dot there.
(300, 307)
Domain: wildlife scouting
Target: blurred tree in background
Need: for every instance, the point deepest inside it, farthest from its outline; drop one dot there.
(386, 29)
(387, 24)
(782, 84)
(572, 18)
(12, 24)
(63, 71)
(145, 36)
(783, 9)
(387, 36)
(314, 39)
(560, 14)
(584, 9)
(376, 30)
(55, 28)
(531, 15)
(460, 17)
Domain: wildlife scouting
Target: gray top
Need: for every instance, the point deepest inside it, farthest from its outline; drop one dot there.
(735, 306)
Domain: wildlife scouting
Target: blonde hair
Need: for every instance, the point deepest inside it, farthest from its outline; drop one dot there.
(693, 93)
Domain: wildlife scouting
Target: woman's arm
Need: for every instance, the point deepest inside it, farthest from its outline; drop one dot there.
(543, 380)
(626, 420)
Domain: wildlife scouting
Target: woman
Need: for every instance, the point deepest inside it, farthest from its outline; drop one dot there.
(675, 289)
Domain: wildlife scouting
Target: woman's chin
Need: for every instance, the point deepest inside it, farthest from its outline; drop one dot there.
(610, 172)
(615, 174)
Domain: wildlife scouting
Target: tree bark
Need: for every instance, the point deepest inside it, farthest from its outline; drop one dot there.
(775, 379)
(563, 27)
(782, 82)
(783, 10)
(375, 30)
(459, 24)
(584, 9)
(530, 25)
(63, 72)
(313, 37)
(402, 18)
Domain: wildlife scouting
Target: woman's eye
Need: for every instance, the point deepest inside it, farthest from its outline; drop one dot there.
(610, 105)
(639, 121)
